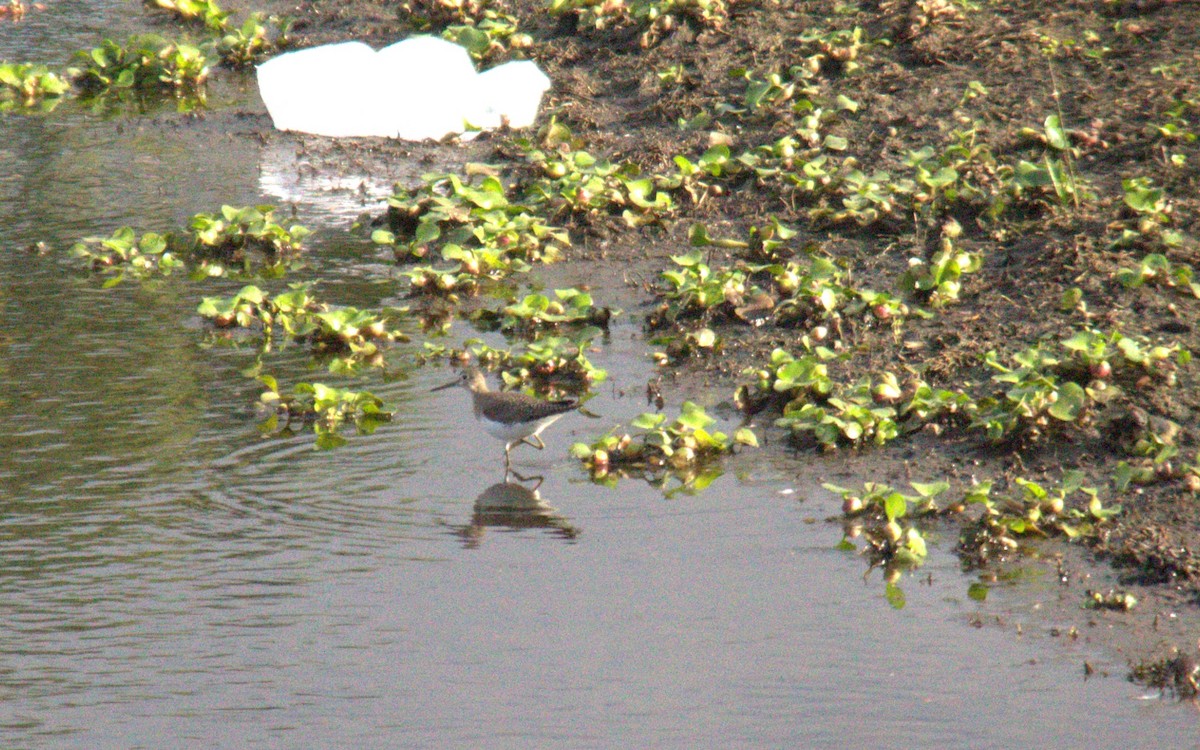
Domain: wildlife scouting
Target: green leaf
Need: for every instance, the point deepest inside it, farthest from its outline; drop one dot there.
(929, 490)
(698, 237)
(977, 591)
(692, 415)
(745, 436)
(836, 143)
(648, 420)
(895, 506)
(1056, 135)
(1072, 400)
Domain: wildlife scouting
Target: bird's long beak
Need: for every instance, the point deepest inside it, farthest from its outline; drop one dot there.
(451, 384)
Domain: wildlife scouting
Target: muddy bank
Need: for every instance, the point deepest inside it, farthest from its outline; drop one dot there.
(977, 86)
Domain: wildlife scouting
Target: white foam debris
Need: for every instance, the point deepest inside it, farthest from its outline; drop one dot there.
(423, 87)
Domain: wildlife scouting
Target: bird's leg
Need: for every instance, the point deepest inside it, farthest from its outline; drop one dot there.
(507, 460)
(539, 445)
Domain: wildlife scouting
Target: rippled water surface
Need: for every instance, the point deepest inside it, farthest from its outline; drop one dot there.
(171, 579)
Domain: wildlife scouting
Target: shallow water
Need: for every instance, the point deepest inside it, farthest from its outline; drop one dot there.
(173, 580)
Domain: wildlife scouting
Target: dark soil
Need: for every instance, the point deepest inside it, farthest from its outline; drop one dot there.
(1113, 69)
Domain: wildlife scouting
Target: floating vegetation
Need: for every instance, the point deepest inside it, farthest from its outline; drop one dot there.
(548, 364)
(145, 62)
(683, 447)
(346, 336)
(451, 211)
(238, 46)
(882, 517)
(235, 240)
(27, 84)
(125, 254)
(325, 408)
(236, 234)
(536, 314)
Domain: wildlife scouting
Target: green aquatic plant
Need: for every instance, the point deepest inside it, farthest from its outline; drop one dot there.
(1034, 402)
(882, 516)
(573, 181)
(1052, 177)
(126, 255)
(204, 12)
(694, 290)
(654, 18)
(146, 62)
(1155, 269)
(938, 282)
(536, 313)
(1038, 511)
(854, 415)
(256, 38)
(30, 83)
(236, 234)
(658, 444)
(963, 173)
(344, 336)
(490, 36)
(1177, 131)
(551, 361)
(787, 380)
(326, 408)
(835, 51)
(212, 245)
(1117, 355)
(451, 210)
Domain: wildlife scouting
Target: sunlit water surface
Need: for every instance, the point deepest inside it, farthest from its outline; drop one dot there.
(171, 579)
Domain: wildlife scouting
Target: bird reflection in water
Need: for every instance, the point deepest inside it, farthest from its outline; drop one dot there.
(509, 506)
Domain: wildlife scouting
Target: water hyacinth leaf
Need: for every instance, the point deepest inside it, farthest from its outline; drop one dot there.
(1056, 135)
(692, 415)
(702, 481)
(895, 596)
(694, 258)
(427, 231)
(1097, 509)
(648, 420)
(1141, 197)
(1033, 489)
(977, 591)
(895, 506)
(745, 436)
(1072, 400)
(941, 178)
(836, 143)
(706, 338)
(698, 237)
(931, 489)
(1031, 175)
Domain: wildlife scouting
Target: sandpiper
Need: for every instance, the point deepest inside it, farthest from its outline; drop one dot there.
(513, 417)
